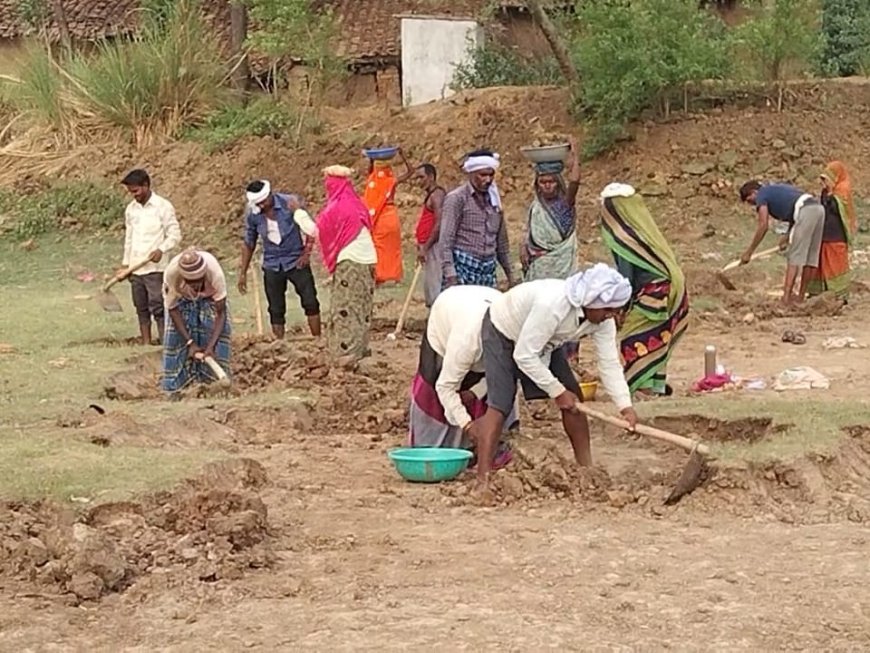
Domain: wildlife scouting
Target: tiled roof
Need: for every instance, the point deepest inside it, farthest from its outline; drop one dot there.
(369, 30)
(87, 19)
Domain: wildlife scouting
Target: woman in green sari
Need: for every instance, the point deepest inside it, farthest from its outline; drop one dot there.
(549, 250)
(660, 305)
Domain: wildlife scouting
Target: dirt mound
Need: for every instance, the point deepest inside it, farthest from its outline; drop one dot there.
(259, 362)
(639, 476)
(540, 473)
(818, 488)
(140, 381)
(211, 528)
(750, 429)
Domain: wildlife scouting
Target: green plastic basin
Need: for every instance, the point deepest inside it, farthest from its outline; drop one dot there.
(429, 464)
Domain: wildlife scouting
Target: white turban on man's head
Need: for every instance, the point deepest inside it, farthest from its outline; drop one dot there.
(255, 199)
(598, 287)
(478, 162)
(488, 161)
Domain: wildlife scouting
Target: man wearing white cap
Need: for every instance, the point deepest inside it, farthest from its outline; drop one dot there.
(288, 233)
(473, 236)
(522, 335)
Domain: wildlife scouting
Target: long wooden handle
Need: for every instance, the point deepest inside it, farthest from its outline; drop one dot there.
(217, 369)
(120, 277)
(401, 321)
(665, 436)
(258, 306)
(762, 254)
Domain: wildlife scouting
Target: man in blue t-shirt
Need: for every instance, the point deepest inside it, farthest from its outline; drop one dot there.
(805, 217)
(287, 232)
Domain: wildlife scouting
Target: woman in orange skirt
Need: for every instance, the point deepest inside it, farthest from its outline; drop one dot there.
(379, 196)
(841, 224)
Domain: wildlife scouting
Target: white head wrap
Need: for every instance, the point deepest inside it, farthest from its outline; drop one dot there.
(598, 287)
(485, 162)
(337, 171)
(255, 198)
(617, 190)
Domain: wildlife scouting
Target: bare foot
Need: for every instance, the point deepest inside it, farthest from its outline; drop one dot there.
(482, 495)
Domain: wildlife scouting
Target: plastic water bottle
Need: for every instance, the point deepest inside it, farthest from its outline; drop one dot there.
(709, 361)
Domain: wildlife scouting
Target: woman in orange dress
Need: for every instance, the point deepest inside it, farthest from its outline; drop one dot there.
(379, 196)
(841, 226)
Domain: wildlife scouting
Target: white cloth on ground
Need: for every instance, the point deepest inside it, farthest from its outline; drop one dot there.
(538, 318)
(453, 332)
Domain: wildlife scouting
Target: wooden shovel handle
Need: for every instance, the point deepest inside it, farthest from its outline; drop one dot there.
(120, 277)
(401, 322)
(217, 369)
(762, 254)
(665, 436)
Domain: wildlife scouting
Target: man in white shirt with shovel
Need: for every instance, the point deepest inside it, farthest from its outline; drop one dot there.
(152, 230)
(522, 335)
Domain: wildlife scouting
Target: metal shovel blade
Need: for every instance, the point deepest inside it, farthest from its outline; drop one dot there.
(109, 302)
(725, 281)
(692, 476)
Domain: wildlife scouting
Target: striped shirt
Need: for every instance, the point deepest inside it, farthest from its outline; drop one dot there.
(470, 223)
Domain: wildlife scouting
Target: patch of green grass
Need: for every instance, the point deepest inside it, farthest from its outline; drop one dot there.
(72, 205)
(36, 463)
(231, 123)
(46, 309)
(811, 425)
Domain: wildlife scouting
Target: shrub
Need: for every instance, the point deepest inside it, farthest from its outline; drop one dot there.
(781, 40)
(296, 30)
(76, 205)
(845, 47)
(634, 56)
(497, 65)
(262, 117)
(169, 76)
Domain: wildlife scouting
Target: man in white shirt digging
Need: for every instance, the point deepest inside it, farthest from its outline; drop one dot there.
(152, 230)
(522, 334)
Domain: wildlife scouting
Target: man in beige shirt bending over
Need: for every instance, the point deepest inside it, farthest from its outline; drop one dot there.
(152, 230)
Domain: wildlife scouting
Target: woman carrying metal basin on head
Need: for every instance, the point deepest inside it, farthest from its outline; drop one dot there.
(549, 249)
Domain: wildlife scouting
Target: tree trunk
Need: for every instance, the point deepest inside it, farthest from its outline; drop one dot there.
(560, 49)
(62, 25)
(238, 36)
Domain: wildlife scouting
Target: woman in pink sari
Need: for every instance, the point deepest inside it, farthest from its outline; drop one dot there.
(344, 233)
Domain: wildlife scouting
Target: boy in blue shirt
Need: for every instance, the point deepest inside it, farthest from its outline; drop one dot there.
(805, 217)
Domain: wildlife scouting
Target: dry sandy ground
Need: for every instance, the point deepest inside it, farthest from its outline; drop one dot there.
(315, 544)
(352, 558)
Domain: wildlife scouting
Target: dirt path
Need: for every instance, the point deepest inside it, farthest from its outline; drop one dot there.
(356, 576)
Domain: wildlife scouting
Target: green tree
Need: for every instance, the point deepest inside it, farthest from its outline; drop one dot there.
(293, 31)
(634, 56)
(781, 40)
(845, 37)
